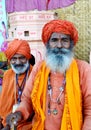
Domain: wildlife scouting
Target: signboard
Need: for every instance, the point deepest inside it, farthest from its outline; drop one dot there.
(3, 25)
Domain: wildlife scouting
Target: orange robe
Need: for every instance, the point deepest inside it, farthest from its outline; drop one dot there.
(8, 96)
(54, 121)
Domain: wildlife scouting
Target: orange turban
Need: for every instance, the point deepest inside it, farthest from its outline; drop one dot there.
(61, 26)
(19, 47)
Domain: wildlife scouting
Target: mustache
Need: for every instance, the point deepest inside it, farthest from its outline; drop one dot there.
(18, 65)
(59, 51)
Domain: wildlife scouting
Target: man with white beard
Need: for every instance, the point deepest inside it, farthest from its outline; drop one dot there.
(59, 56)
(18, 53)
(58, 90)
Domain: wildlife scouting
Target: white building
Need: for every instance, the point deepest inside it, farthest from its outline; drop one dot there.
(28, 26)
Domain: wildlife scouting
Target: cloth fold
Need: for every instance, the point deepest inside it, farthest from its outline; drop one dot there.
(72, 115)
(19, 47)
(39, 98)
(58, 26)
(27, 5)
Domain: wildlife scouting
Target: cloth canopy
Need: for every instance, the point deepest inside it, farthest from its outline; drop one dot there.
(27, 5)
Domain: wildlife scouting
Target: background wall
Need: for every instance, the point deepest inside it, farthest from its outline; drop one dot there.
(80, 14)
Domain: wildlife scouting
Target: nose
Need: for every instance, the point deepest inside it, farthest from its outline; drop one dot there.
(18, 61)
(59, 44)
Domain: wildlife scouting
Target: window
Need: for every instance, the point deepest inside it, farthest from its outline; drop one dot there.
(12, 33)
(26, 33)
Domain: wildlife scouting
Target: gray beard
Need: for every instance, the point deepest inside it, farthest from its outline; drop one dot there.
(59, 60)
(20, 70)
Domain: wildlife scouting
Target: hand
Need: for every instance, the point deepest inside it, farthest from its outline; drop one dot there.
(14, 118)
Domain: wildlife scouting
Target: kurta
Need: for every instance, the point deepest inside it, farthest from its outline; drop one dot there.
(54, 121)
(8, 95)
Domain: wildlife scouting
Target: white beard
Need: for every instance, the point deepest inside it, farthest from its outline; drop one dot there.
(20, 70)
(59, 61)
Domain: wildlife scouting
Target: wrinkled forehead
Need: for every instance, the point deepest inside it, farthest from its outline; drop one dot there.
(59, 35)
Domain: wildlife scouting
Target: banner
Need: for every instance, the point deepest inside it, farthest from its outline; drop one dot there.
(3, 26)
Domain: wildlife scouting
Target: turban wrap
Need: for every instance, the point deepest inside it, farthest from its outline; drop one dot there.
(59, 26)
(18, 47)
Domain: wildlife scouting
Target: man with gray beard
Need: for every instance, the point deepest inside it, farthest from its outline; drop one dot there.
(58, 90)
(62, 55)
(19, 54)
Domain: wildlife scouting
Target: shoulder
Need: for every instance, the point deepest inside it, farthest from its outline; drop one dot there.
(31, 79)
(37, 66)
(8, 73)
(84, 69)
(83, 65)
(34, 71)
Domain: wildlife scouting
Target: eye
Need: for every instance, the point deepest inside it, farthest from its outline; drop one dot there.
(54, 40)
(13, 58)
(22, 58)
(65, 40)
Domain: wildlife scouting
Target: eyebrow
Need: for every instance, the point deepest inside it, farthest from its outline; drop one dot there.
(55, 38)
(18, 56)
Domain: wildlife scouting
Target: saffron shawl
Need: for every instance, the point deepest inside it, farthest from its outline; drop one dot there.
(72, 115)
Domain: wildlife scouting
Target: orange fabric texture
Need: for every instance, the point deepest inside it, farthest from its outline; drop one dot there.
(72, 115)
(38, 97)
(8, 96)
(19, 47)
(58, 26)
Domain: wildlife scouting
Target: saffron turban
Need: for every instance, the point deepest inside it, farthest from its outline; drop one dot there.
(59, 26)
(18, 47)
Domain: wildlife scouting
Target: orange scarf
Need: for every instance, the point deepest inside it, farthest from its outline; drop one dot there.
(72, 115)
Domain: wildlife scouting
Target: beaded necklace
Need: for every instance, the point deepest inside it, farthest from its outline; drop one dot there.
(57, 100)
(21, 87)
